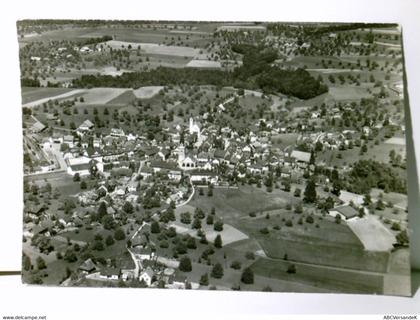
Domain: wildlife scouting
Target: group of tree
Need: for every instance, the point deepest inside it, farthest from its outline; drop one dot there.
(257, 72)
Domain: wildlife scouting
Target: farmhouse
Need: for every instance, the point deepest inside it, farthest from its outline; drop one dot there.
(146, 172)
(86, 126)
(147, 276)
(178, 281)
(79, 165)
(302, 158)
(346, 212)
(202, 176)
(88, 266)
(117, 132)
(110, 273)
(37, 127)
(69, 140)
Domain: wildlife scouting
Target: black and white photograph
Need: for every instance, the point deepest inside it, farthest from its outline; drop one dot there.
(247, 156)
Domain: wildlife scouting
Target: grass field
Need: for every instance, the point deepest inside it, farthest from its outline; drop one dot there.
(46, 94)
(98, 96)
(197, 37)
(233, 204)
(204, 64)
(372, 233)
(334, 280)
(153, 48)
(328, 244)
(147, 92)
(30, 94)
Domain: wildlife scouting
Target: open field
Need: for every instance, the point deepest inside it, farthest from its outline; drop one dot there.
(348, 93)
(147, 92)
(66, 94)
(204, 64)
(30, 94)
(97, 96)
(399, 141)
(153, 48)
(233, 204)
(198, 36)
(334, 244)
(318, 276)
(229, 233)
(373, 235)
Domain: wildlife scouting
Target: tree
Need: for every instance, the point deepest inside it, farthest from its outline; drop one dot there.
(98, 245)
(310, 192)
(119, 234)
(291, 269)
(185, 264)
(128, 207)
(337, 219)
(236, 265)
(155, 227)
(40, 263)
(70, 256)
(186, 217)
(218, 241)
(309, 219)
(26, 262)
(102, 210)
(218, 226)
(247, 276)
(196, 223)
(204, 280)
(83, 185)
(109, 240)
(210, 191)
(402, 238)
(396, 226)
(191, 243)
(76, 177)
(217, 271)
(108, 222)
(209, 219)
(297, 193)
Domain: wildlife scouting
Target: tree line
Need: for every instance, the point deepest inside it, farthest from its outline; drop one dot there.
(257, 72)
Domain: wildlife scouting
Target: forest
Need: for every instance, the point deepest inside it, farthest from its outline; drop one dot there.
(257, 72)
(367, 174)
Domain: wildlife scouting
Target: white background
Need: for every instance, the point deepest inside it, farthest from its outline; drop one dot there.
(63, 303)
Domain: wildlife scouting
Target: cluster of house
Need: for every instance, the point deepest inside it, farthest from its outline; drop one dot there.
(152, 273)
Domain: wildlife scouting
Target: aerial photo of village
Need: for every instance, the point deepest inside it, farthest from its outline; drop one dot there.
(214, 156)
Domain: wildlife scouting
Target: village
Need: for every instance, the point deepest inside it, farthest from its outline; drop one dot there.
(227, 194)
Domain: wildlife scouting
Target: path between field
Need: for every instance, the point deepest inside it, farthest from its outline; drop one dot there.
(60, 96)
(133, 256)
(189, 198)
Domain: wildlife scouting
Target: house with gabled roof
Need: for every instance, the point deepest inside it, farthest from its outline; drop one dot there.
(86, 126)
(88, 266)
(346, 212)
(147, 276)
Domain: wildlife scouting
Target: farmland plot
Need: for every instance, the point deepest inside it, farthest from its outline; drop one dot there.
(153, 48)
